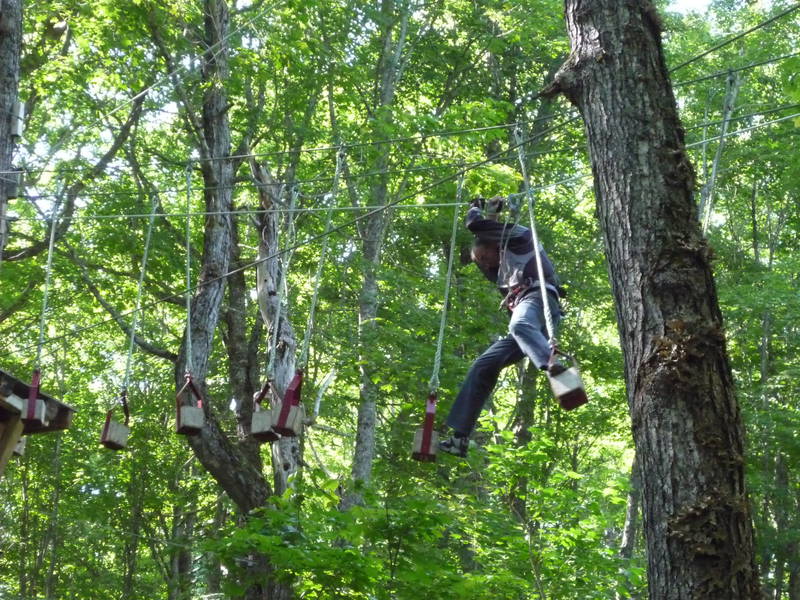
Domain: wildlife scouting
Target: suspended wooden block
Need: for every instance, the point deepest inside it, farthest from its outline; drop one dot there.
(189, 415)
(49, 414)
(426, 440)
(115, 434)
(261, 424)
(568, 386)
(261, 427)
(289, 414)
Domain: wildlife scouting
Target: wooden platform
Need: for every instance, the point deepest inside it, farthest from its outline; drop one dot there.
(13, 400)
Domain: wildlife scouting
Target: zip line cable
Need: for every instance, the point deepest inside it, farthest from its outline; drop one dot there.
(422, 136)
(253, 19)
(297, 181)
(473, 130)
(743, 130)
(394, 204)
(481, 163)
(244, 212)
(735, 70)
(737, 37)
(312, 239)
(213, 50)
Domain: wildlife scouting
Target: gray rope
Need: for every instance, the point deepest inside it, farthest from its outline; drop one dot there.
(188, 269)
(323, 253)
(548, 318)
(142, 269)
(47, 272)
(437, 359)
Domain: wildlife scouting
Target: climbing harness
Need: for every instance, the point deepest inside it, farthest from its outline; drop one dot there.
(115, 434)
(189, 414)
(566, 384)
(426, 440)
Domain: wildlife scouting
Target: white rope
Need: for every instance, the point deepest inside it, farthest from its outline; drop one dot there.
(323, 253)
(548, 317)
(142, 269)
(47, 272)
(437, 359)
(188, 269)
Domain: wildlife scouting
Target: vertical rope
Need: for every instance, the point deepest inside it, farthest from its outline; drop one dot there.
(323, 252)
(548, 317)
(437, 359)
(47, 273)
(135, 321)
(188, 267)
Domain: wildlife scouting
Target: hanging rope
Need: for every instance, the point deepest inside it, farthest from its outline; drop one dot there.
(33, 390)
(47, 273)
(321, 263)
(188, 269)
(548, 317)
(123, 396)
(437, 359)
(135, 319)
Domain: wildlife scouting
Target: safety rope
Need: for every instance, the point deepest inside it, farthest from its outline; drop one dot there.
(437, 359)
(188, 269)
(321, 263)
(548, 317)
(135, 319)
(47, 273)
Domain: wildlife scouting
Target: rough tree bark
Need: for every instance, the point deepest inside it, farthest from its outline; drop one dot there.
(10, 45)
(685, 417)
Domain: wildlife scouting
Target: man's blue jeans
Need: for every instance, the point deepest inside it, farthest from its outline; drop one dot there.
(527, 336)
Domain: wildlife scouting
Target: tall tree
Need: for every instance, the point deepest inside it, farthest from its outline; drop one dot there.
(686, 420)
(10, 42)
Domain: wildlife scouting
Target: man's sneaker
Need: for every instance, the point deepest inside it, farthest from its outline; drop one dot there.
(456, 446)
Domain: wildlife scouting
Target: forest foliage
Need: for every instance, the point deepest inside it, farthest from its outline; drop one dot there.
(539, 508)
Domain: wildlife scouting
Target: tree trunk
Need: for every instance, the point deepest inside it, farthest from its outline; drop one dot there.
(270, 279)
(686, 422)
(180, 576)
(630, 529)
(394, 20)
(10, 44)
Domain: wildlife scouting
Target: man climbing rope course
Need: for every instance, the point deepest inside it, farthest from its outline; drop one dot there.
(504, 252)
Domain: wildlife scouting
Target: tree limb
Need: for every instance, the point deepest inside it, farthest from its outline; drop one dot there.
(76, 188)
(115, 314)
